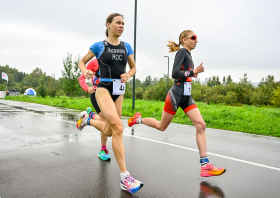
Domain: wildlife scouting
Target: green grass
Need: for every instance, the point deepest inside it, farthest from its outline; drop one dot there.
(249, 119)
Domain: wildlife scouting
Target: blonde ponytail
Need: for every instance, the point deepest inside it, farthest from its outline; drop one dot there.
(173, 46)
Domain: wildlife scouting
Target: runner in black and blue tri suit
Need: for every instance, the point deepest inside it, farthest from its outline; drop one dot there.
(180, 96)
(113, 56)
(112, 62)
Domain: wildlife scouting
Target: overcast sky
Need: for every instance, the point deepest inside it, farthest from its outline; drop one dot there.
(234, 37)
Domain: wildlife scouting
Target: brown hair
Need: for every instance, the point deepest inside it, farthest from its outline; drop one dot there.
(110, 20)
(173, 47)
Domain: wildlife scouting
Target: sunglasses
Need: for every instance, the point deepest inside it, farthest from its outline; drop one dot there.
(193, 37)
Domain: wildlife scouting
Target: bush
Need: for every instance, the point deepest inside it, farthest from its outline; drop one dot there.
(42, 90)
(275, 98)
(139, 93)
(230, 98)
(128, 91)
(198, 91)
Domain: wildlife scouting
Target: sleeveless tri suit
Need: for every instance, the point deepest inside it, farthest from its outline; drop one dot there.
(112, 60)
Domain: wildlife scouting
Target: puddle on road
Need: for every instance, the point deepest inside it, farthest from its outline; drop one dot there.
(65, 115)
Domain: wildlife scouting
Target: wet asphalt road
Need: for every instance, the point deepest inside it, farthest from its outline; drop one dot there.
(42, 154)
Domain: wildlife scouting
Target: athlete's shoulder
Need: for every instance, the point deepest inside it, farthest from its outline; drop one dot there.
(126, 43)
(181, 52)
(97, 48)
(96, 44)
(128, 48)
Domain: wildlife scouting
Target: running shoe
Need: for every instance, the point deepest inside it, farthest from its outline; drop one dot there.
(210, 170)
(82, 122)
(133, 120)
(90, 113)
(130, 184)
(104, 155)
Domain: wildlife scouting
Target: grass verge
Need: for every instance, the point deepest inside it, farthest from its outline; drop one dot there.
(249, 119)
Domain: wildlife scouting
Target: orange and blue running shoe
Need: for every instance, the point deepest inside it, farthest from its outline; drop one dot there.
(104, 155)
(82, 122)
(210, 170)
(130, 184)
(133, 120)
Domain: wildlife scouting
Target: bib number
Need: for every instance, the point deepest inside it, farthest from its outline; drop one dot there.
(118, 87)
(187, 88)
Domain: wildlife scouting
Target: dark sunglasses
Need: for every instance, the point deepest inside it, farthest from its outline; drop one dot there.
(193, 37)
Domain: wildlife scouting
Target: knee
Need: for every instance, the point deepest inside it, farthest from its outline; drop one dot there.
(109, 134)
(117, 129)
(201, 126)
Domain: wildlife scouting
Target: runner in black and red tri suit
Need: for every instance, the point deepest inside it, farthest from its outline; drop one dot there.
(180, 96)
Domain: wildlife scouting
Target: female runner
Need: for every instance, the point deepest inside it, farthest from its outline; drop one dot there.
(113, 55)
(180, 96)
(99, 118)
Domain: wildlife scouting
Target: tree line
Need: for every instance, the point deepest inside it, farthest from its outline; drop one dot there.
(215, 91)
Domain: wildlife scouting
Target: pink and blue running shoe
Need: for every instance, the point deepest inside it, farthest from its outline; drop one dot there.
(130, 184)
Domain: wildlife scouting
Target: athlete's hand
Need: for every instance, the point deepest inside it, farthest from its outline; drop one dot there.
(91, 90)
(125, 78)
(88, 74)
(195, 75)
(199, 69)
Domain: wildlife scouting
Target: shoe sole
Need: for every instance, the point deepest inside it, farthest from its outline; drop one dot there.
(81, 115)
(123, 187)
(210, 174)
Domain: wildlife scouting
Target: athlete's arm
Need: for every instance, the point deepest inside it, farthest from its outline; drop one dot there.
(83, 84)
(179, 59)
(125, 77)
(82, 64)
(92, 66)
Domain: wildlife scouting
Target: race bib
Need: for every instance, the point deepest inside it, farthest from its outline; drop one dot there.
(187, 88)
(118, 87)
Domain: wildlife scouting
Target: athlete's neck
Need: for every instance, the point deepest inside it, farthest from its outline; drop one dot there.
(187, 48)
(113, 40)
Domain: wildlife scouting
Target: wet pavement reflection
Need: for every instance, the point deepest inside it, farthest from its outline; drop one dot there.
(208, 190)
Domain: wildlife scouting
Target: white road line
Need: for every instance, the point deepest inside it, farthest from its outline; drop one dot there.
(209, 153)
(191, 149)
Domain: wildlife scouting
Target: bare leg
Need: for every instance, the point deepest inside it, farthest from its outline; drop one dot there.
(200, 125)
(111, 112)
(97, 117)
(103, 136)
(166, 119)
(100, 125)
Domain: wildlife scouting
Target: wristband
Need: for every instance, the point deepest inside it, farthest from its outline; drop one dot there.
(189, 73)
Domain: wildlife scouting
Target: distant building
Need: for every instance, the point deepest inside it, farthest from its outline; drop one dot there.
(206, 80)
(156, 78)
(255, 84)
